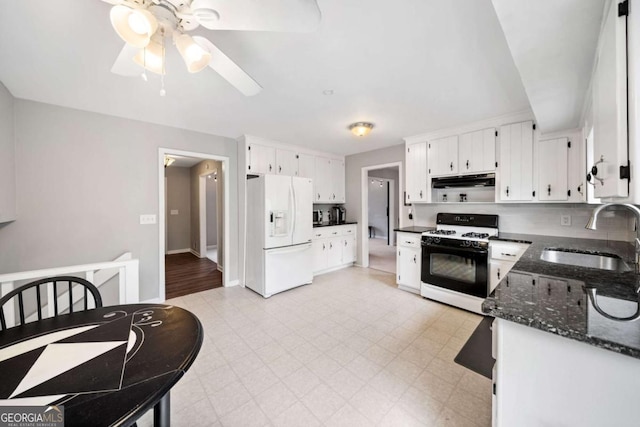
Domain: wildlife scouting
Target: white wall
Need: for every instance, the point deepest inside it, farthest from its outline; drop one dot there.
(353, 174)
(84, 178)
(7, 156)
(378, 208)
(178, 198)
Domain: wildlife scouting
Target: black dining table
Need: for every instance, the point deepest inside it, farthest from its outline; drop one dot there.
(106, 366)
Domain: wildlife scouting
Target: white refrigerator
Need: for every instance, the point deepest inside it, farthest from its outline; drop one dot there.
(279, 229)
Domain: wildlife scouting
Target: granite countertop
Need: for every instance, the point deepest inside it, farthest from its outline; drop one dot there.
(333, 224)
(555, 297)
(414, 229)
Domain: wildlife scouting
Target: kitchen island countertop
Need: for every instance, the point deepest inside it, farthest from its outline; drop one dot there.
(558, 298)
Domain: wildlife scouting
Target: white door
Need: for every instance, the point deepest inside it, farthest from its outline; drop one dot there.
(610, 108)
(348, 249)
(553, 170)
(302, 207)
(320, 254)
(286, 268)
(409, 267)
(322, 180)
(278, 211)
(306, 166)
(287, 163)
(337, 181)
(516, 162)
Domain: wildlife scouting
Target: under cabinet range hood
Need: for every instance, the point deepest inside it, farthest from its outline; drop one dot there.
(465, 181)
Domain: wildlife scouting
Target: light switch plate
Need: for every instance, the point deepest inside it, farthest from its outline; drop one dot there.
(147, 219)
(174, 211)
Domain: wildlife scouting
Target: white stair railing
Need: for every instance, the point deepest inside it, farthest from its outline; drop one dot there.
(124, 266)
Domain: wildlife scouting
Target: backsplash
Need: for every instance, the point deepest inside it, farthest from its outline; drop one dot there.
(538, 219)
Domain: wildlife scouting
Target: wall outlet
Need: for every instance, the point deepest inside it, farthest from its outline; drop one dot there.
(174, 211)
(565, 220)
(147, 219)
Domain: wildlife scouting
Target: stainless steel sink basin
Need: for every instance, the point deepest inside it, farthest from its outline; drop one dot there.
(599, 260)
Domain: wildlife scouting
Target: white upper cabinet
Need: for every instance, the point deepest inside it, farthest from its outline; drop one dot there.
(261, 159)
(306, 166)
(477, 151)
(553, 170)
(515, 164)
(286, 162)
(322, 181)
(610, 108)
(443, 156)
(416, 174)
(337, 181)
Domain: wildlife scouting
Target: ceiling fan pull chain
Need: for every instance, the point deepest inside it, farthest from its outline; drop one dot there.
(163, 92)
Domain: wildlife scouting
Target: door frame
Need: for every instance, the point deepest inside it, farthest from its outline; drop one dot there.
(364, 204)
(162, 152)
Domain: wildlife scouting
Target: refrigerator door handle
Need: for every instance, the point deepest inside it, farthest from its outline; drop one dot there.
(293, 209)
(289, 249)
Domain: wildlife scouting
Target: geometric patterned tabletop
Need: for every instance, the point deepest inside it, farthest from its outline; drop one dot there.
(107, 366)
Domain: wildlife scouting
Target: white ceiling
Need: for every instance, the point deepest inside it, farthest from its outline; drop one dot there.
(553, 44)
(409, 67)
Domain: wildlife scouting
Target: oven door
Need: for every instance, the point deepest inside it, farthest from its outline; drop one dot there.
(458, 269)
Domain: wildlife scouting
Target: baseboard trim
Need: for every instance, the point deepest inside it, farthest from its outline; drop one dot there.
(212, 247)
(178, 251)
(196, 253)
(332, 269)
(233, 283)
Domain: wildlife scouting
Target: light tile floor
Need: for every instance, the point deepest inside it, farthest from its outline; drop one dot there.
(349, 350)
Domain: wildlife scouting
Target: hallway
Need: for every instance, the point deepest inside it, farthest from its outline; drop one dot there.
(185, 274)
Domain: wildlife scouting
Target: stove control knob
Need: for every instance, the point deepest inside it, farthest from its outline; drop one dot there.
(476, 244)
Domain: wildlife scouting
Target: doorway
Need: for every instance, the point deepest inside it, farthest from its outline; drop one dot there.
(194, 206)
(381, 214)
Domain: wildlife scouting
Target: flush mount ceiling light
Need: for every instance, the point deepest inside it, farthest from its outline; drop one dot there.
(361, 128)
(145, 24)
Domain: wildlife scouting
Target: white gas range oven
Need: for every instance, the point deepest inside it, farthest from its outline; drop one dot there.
(455, 260)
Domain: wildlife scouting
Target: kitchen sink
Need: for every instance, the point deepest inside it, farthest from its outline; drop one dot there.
(590, 259)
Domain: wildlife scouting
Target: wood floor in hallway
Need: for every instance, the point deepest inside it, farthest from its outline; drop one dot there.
(186, 274)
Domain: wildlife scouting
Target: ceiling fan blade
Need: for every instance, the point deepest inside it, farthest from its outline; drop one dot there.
(299, 16)
(124, 65)
(228, 69)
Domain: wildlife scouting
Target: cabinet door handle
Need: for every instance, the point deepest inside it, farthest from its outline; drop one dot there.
(279, 169)
(549, 189)
(421, 194)
(498, 273)
(318, 196)
(408, 241)
(345, 243)
(451, 166)
(324, 246)
(335, 232)
(334, 196)
(507, 191)
(467, 164)
(414, 259)
(270, 167)
(504, 254)
(330, 245)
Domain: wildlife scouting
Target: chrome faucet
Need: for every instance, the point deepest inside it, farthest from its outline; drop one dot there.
(592, 224)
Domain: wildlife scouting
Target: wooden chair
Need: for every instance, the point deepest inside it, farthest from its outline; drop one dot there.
(87, 286)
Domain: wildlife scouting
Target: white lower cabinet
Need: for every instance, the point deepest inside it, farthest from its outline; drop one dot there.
(502, 257)
(408, 262)
(334, 247)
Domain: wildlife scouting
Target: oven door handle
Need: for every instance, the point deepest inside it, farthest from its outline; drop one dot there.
(466, 250)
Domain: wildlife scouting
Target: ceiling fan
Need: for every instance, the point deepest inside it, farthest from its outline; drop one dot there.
(146, 26)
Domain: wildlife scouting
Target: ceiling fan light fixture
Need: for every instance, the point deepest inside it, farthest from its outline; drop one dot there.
(151, 58)
(134, 26)
(361, 128)
(195, 56)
